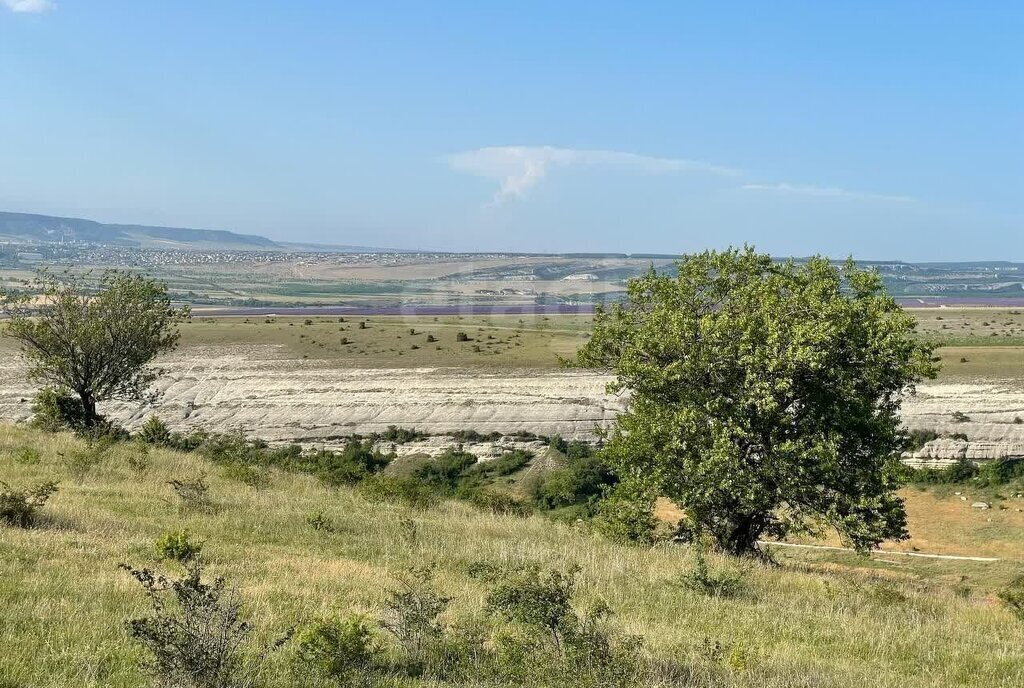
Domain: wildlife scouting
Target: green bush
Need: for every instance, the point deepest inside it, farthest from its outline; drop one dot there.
(1001, 471)
(1013, 597)
(321, 522)
(445, 472)
(501, 503)
(397, 435)
(507, 464)
(358, 461)
(989, 473)
(55, 410)
(337, 648)
(83, 462)
(713, 583)
(139, 461)
(178, 545)
(28, 456)
(155, 431)
(627, 515)
(18, 507)
(467, 436)
(916, 439)
(583, 481)
(960, 472)
(256, 477)
(405, 490)
(546, 641)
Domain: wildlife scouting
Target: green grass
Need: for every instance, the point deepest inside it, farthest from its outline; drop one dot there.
(982, 362)
(532, 341)
(498, 341)
(818, 620)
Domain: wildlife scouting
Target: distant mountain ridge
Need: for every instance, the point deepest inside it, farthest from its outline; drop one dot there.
(26, 227)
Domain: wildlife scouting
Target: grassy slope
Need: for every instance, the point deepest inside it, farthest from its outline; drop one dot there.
(64, 601)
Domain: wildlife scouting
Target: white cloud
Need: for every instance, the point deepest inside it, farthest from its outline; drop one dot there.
(519, 168)
(29, 6)
(826, 192)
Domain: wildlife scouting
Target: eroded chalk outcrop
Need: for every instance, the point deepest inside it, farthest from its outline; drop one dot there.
(256, 390)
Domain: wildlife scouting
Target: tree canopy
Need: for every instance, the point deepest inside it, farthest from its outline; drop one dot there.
(763, 395)
(95, 342)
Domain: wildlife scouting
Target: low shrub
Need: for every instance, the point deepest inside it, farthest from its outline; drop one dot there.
(18, 507)
(337, 648)
(321, 522)
(444, 472)
(713, 583)
(506, 464)
(193, 494)
(411, 615)
(546, 641)
(583, 481)
(1013, 597)
(55, 410)
(397, 435)
(501, 503)
(986, 474)
(916, 439)
(256, 477)
(28, 456)
(961, 471)
(404, 490)
(1001, 471)
(195, 634)
(626, 514)
(81, 463)
(178, 545)
(467, 436)
(139, 460)
(358, 461)
(155, 431)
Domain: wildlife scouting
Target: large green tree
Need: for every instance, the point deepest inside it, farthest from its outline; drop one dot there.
(94, 341)
(764, 397)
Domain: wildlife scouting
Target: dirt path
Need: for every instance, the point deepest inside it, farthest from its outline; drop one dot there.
(954, 557)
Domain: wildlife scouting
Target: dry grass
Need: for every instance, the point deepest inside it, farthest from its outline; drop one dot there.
(816, 621)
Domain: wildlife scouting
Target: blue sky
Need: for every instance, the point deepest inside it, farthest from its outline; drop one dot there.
(878, 129)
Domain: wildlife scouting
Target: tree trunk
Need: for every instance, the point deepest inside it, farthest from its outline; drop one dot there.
(742, 539)
(88, 407)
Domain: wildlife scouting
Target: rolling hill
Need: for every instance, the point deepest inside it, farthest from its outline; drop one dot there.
(29, 228)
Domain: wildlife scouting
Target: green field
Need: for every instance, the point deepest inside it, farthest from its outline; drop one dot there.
(540, 341)
(820, 619)
(496, 341)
